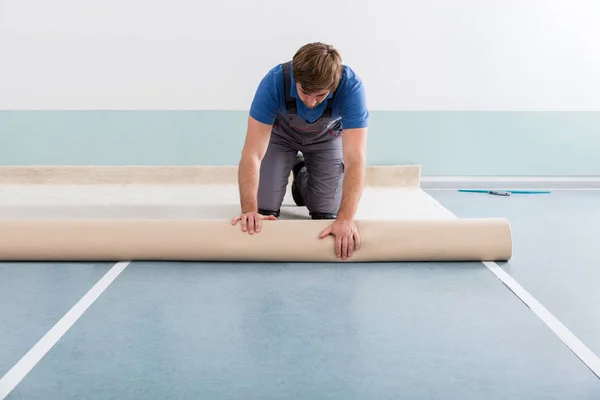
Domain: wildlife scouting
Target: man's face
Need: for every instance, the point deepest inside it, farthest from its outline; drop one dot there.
(311, 100)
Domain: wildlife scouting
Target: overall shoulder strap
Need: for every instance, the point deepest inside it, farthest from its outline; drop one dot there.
(290, 102)
(328, 112)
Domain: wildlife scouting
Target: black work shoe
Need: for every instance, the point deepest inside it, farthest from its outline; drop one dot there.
(269, 212)
(318, 215)
(296, 195)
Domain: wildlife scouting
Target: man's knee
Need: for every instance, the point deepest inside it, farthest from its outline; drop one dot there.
(274, 174)
(324, 192)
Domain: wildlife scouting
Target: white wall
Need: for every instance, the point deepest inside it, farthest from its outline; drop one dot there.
(412, 55)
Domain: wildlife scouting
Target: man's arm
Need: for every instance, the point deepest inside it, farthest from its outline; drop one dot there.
(255, 147)
(354, 143)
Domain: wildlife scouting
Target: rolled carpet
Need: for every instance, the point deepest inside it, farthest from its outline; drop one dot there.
(479, 239)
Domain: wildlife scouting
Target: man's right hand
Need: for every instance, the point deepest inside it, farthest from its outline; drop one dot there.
(251, 221)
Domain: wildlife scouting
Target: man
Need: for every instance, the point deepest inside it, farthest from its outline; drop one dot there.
(314, 106)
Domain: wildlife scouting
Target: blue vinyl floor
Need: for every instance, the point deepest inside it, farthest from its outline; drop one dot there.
(322, 331)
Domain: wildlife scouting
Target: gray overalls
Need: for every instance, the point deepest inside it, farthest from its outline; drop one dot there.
(318, 181)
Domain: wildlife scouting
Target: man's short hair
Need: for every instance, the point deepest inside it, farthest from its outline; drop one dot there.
(316, 67)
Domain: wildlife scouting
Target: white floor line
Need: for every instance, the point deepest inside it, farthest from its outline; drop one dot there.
(16, 374)
(591, 360)
(568, 337)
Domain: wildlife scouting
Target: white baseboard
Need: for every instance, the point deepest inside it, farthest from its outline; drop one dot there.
(511, 182)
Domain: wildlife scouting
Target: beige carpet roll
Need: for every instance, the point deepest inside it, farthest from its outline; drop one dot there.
(283, 240)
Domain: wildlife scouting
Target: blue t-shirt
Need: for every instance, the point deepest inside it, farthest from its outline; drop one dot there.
(350, 103)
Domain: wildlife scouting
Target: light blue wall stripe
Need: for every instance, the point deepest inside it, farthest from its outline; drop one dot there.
(443, 142)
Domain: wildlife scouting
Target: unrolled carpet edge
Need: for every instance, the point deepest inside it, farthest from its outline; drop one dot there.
(375, 175)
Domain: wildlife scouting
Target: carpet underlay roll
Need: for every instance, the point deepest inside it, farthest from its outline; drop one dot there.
(100, 214)
(218, 240)
(285, 241)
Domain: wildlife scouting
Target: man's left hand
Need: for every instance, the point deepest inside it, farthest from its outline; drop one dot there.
(346, 235)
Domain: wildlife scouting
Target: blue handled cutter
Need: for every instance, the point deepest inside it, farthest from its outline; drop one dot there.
(503, 192)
